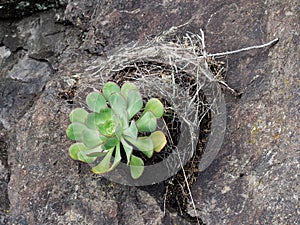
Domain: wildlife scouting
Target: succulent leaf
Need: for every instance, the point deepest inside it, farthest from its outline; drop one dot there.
(136, 167)
(127, 87)
(93, 120)
(117, 103)
(92, 138)
(122, 120)
(159, 140)
(82, 156)
(99, 151)
(75, 130)
(118, 157)
(110, 88)
(106, 114)
(155, 106)
(111, 143)
(96, 101)
(75, 148)
(131, 131)
(108, 128)
(104, 165)
(79, 151)
(144, 144)
(78, 115)
(135, 103)
(147, 123)
(128, 149)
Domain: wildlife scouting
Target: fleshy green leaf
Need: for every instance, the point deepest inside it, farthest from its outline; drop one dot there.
(133, 97)
(117, 159)
(93, 120)
(111, 143)
(121, 120)
(155, 106)
(75, 148)
(106, 114)
(96, 152)
(96, 101)
(135, 103)
(159, 140)
(92, 138)
(117, 103)
(144, 144)
(104, 165)
(110, 88)
(108, 128)
(75, 130)
(136, 167)
(126, 88)
(79, 151)
(82, 156)
(121, 124)
(128, 149)
(147, 123)
(78, 115)
(131, 131)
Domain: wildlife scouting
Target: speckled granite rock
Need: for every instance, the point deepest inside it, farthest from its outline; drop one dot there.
(253, 180)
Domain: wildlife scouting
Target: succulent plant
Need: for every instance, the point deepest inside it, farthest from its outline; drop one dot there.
(113, 126)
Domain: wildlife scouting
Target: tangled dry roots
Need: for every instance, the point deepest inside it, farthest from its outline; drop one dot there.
(176, 72)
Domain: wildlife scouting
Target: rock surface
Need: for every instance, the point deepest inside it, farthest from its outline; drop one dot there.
(254, 180)
(43, 60)
(12, 9)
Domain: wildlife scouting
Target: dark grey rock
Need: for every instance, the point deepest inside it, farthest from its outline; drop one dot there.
(4, 177)
(12, 9)
(254, 178)
(252, 181)
(29, 59)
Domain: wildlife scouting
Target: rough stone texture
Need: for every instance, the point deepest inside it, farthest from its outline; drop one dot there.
(17, 9)
(42, 62)
(4, 177)
(253, 180)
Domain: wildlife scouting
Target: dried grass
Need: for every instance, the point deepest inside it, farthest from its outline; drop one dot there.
(176, 69)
